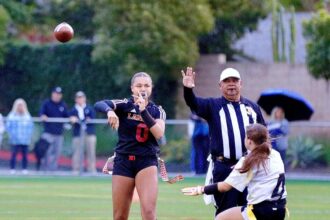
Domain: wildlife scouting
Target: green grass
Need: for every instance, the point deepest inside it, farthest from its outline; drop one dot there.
(90, 198)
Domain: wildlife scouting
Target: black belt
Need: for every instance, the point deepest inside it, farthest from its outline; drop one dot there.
(280, 202)
(222, 159)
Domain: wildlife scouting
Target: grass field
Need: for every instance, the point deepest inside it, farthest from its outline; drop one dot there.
(90, 198)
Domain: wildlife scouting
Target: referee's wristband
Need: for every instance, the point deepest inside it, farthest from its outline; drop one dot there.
(211, 189)
(147, 118)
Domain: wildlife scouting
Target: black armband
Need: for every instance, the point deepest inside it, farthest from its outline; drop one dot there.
(211, 189)
(147, 118)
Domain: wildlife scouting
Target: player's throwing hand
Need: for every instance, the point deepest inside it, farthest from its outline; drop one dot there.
(113, 120)
(188, 78)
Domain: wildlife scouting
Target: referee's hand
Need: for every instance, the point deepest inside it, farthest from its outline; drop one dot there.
(188, 78)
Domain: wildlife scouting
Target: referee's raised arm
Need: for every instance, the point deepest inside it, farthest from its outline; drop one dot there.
(196, 104)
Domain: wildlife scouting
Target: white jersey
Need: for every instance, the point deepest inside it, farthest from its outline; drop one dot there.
(263, 184)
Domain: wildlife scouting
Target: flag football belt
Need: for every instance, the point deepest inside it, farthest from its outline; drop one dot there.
(224, 160)
(162, 168)
(281, 202)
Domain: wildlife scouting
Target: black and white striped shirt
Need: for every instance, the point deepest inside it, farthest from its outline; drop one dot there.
(227, 122)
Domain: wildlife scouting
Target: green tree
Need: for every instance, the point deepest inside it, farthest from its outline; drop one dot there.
(79, 14)
(233, 19)
(301, 5)
(4, 19)
(317, 31)
(157, 37)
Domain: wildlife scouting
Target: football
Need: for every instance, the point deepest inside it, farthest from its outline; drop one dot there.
(63, 32)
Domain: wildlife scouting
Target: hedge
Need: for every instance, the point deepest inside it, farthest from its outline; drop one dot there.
(31, 71)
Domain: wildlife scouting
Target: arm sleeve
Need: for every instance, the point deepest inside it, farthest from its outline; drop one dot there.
(236, 179)
(104, 106)
(2, 126)
(196, 104)
(71, 112)
(92, 113)
(66, 111)
(260, 118)
(43, 109)
(107, 105)
(285, 127)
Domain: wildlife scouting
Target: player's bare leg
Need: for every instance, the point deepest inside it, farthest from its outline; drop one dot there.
(122, 192)
(230, 214)
(146, 182)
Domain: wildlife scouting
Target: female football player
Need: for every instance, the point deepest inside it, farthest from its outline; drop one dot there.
(262, 171)
(140, 124)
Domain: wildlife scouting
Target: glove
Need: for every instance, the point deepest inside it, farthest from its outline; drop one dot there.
(192, 191)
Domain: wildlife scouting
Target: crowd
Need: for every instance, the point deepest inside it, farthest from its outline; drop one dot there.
(19, 126)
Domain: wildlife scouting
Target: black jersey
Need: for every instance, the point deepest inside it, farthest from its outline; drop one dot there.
(134, 135)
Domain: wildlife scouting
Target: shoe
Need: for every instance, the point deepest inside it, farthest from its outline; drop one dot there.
(25, 171)
(12, 171)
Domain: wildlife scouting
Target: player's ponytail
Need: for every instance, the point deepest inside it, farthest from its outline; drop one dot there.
(259, 155)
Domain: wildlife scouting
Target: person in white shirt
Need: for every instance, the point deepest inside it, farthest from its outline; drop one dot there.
(262, 172)
(84, 137)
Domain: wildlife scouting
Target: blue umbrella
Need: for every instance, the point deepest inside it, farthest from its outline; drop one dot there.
(294, 105)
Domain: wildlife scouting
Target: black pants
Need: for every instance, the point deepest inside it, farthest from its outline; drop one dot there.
(233, 197)
(14, 150)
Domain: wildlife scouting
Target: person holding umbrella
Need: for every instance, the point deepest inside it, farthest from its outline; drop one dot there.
(283, 105)
(278, 128)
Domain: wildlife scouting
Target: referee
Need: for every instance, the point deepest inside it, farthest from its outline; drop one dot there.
(227, 117)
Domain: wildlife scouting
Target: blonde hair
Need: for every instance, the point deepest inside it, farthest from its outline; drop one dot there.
(140, 74)
(18, 102)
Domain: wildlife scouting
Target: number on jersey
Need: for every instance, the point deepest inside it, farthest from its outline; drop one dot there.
(142, 132)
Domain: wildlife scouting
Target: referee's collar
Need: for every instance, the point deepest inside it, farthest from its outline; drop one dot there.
(241, 101)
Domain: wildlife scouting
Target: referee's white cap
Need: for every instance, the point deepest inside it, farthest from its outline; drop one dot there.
(229, 72)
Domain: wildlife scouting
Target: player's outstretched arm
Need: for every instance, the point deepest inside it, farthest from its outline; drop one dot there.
(208, 190)
(193, 191)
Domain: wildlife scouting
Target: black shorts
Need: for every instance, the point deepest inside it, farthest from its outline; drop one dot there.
(268, 210)
(130, 165)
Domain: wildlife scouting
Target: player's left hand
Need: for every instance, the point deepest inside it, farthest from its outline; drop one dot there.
(192, 191)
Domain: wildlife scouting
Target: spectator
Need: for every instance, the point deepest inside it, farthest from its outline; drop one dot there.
(2, 129)
(53, 131)
(19, 127)
(83, 134)
(200, 144)
(278, 128)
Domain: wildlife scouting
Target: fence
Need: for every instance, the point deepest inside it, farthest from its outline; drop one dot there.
(176, 147)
